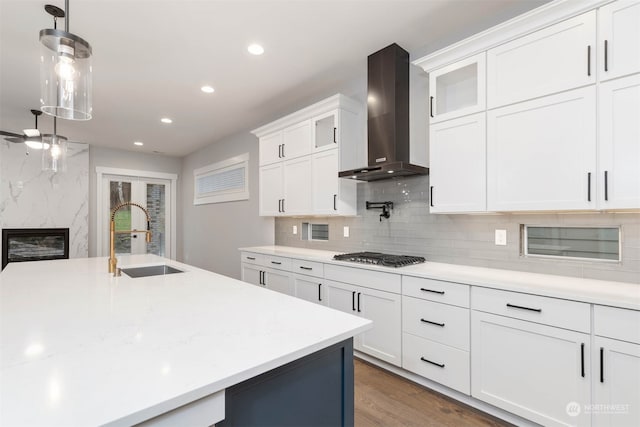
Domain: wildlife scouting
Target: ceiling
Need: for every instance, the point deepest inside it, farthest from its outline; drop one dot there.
(150, 58)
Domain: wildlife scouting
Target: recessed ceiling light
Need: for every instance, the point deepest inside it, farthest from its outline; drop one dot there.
(207, 89)
(138, 143)
(255, 49)
(166, 120)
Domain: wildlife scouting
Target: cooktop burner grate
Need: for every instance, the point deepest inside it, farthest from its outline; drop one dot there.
(377, 258)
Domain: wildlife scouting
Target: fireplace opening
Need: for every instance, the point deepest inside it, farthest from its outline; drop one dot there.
(34, 244)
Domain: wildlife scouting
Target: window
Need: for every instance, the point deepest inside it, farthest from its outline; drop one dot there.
(315, 231)
(224, 181)
(594, 243)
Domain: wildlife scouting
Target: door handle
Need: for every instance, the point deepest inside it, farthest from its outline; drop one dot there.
(432, 291)
(432, 323)
(537, 310)
(431, 196)
(280, 151)
(358, 302)
(335, 202)
(606, 185)
(319, 291)
(601, 364)
(334, 135)
(606, 55)
(582, 359)
(353, 301)
(589, 60)
(441, 365)
(283, 155)
(431, 106)
(588, 186)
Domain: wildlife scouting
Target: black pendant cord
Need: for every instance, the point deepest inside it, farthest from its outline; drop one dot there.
(66, 16)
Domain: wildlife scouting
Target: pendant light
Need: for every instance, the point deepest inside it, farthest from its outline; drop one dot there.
(55, 158)
(65, 70)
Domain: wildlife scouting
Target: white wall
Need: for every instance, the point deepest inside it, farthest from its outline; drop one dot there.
(106, 157)
(212, 233)
(32, 198)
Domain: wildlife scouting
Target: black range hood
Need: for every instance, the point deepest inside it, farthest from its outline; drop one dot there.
(387, 118)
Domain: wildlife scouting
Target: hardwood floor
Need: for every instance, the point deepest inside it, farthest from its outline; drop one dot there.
(385, 399)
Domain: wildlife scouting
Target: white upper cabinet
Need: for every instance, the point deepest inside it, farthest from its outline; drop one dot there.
(541, 154)
(619, 39)
(458, 89)
(457, 176)
(271, 189)
(297, 186)
(326, 131)
(271, 148)
(619, 144)
(309, 183)
(296, 140)
(554, 59)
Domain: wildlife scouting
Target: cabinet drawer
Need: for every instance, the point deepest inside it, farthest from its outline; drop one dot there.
(309, 268)
(281, 263)
(436, 290)
(437, 362)
(382, 281)
(549, 311)
(443, 323)
(252, 258)
(618, 323)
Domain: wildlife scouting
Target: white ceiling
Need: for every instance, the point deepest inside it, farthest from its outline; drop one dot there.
(152, 57)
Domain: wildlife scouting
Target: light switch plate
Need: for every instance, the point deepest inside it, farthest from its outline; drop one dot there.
(501, 237)
(295, 229)
(345, 231)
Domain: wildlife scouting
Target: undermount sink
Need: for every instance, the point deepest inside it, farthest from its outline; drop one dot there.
(151, 270)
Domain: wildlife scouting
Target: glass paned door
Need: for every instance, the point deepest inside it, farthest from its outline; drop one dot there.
(154, 195)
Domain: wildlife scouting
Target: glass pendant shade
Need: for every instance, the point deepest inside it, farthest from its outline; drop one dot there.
(65, 75)
(55, 158)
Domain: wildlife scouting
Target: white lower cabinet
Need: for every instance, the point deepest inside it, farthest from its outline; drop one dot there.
(616, 383)
(308, 288)
(277, 280)
(252, 273)
(383, 341)
(616, 367)
(538, 372)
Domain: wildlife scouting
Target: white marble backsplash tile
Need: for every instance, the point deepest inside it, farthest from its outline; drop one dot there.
(32, 198)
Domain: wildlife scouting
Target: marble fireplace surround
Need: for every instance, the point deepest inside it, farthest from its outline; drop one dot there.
(32, 198)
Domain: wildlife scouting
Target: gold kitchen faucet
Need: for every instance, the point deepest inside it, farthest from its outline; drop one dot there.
(113, 261)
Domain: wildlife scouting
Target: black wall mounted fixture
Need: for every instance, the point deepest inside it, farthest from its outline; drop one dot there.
(386, 207)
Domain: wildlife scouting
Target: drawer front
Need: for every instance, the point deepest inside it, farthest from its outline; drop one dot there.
(618, 323)
(252, 258)
(281, 263)
(437, 362)
(309, 268)
(561, 313)
(380, 280)
(436, 290)
(443, 323)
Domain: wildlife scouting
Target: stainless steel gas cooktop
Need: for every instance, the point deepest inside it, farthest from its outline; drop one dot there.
(377, 258)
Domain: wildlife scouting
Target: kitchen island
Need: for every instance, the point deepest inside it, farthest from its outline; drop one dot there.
(79, 347)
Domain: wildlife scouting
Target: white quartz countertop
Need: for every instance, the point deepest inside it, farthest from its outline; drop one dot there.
(78, 347)
(617, 294)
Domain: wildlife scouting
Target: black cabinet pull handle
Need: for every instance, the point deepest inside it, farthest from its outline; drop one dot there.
(283, 205)
(279, 205)
(432, 291)
(280, 151)
(431, 106)
(335, 202)
(306, 268)
(441, 365)
(358, 302)
(589, 60)
(537, 310)
(261, 277)
(319, 292)
(251, 258)
(353, 301)
(588, 186)
(276, 262)
(432, 323)
(582, 359)
(606, 55)
(606, 185)
(431, 196)
(601, 364)
(334, 135)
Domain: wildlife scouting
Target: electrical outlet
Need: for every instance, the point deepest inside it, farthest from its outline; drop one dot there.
(501, 237)
(345, 231)
(295, 229)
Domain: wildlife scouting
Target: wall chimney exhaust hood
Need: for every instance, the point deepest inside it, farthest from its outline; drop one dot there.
(387, 118)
